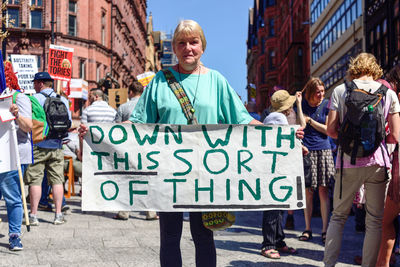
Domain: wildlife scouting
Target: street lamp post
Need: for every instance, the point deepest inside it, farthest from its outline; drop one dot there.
(3, 29)
(52, 21)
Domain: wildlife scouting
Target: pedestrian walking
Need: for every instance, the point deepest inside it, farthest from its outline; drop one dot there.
(369, 170)
(48, 154)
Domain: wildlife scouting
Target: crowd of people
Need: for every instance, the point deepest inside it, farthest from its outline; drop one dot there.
(211, 100)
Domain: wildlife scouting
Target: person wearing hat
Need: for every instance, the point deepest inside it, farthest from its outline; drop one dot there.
(273, 236)
(48, 155)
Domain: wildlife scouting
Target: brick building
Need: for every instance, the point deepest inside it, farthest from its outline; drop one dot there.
(382, 31)
(278, 49)
(106, 35)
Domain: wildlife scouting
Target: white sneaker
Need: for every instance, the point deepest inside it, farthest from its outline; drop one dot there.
(33, 220)
(59, 219)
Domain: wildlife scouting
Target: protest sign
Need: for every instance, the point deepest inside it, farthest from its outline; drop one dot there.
(117, 97)
(25, 67)
(192, 168)
(8, 156)
(145, 78)
(60, 62)
(78, 88)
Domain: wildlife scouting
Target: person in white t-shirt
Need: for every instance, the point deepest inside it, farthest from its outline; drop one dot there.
(368, 171)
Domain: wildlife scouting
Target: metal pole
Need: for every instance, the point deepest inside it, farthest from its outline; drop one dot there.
(52, 21)
(111, 42)
(3, 29)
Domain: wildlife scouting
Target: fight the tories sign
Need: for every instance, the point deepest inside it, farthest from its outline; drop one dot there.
(191, 167)
(60, 62)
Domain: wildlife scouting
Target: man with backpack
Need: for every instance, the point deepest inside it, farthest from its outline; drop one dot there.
(358, 111)
(48, 154)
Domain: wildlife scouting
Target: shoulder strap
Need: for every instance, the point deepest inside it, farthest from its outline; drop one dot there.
(180, 94)
(14, 100)
(382, 90)
(46, 95)
(350, 85)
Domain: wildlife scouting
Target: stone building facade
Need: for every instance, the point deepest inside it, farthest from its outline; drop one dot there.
(107, 36)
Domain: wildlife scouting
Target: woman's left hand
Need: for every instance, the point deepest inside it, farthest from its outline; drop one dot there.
(83, 129)
(300, 133)
(299, 97)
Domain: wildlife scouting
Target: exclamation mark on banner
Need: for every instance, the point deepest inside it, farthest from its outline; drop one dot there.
(299, 192)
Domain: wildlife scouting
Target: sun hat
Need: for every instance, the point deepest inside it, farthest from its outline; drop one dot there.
(281, 100)
(42, 76)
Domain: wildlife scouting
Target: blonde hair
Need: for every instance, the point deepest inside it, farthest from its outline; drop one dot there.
(189, 28)
(311, 86)
(48, 83)
(364, 64)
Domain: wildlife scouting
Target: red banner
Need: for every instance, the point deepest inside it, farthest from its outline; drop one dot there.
(60, 62)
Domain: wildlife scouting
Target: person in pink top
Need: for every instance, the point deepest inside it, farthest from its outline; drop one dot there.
(392, 205)
(368, 171)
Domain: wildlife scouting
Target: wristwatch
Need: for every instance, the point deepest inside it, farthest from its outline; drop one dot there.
(309, 121)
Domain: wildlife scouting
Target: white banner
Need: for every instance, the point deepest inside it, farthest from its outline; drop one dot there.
(8, 156)
(25, 67)
(191, 168)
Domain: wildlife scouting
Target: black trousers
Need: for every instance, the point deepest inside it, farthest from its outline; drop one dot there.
(170, 237)
(272, 230)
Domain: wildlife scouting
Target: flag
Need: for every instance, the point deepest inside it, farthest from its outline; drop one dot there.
(2, 76)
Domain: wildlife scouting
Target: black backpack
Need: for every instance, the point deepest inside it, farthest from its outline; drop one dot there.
(363, 127)
(56, 116)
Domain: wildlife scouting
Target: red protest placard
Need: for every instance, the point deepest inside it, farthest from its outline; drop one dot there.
(60, 62)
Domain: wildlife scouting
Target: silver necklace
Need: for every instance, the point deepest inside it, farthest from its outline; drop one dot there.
(195, 92)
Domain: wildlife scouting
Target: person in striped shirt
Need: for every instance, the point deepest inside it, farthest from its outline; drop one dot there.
(99, 110)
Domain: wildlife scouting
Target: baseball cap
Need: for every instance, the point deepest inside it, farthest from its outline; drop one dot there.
(42, 76)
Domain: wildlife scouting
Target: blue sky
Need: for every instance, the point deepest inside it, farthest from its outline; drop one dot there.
(225, 24)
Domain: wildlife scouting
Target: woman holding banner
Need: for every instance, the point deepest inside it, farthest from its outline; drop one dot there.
(213, 101)
(200, 95)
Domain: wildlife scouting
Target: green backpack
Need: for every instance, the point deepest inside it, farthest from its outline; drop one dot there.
(40, 129)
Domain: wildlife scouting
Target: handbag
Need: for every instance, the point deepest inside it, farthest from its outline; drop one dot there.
(213, 220)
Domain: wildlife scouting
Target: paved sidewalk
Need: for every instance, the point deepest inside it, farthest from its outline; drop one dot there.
(95, 239)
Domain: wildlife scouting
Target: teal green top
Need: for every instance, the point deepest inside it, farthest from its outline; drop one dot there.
(215, 102)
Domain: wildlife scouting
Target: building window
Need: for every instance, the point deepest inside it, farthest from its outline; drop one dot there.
(341, 20)
(13, 17)
(36, 19)
(82, 69)
(316, 8)
(262, 46)
(272, 59)
(72, 8)
(271, 28)
(270, 3)
(98, 71)
(103, 28)
(35, 2)
(262, 74)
